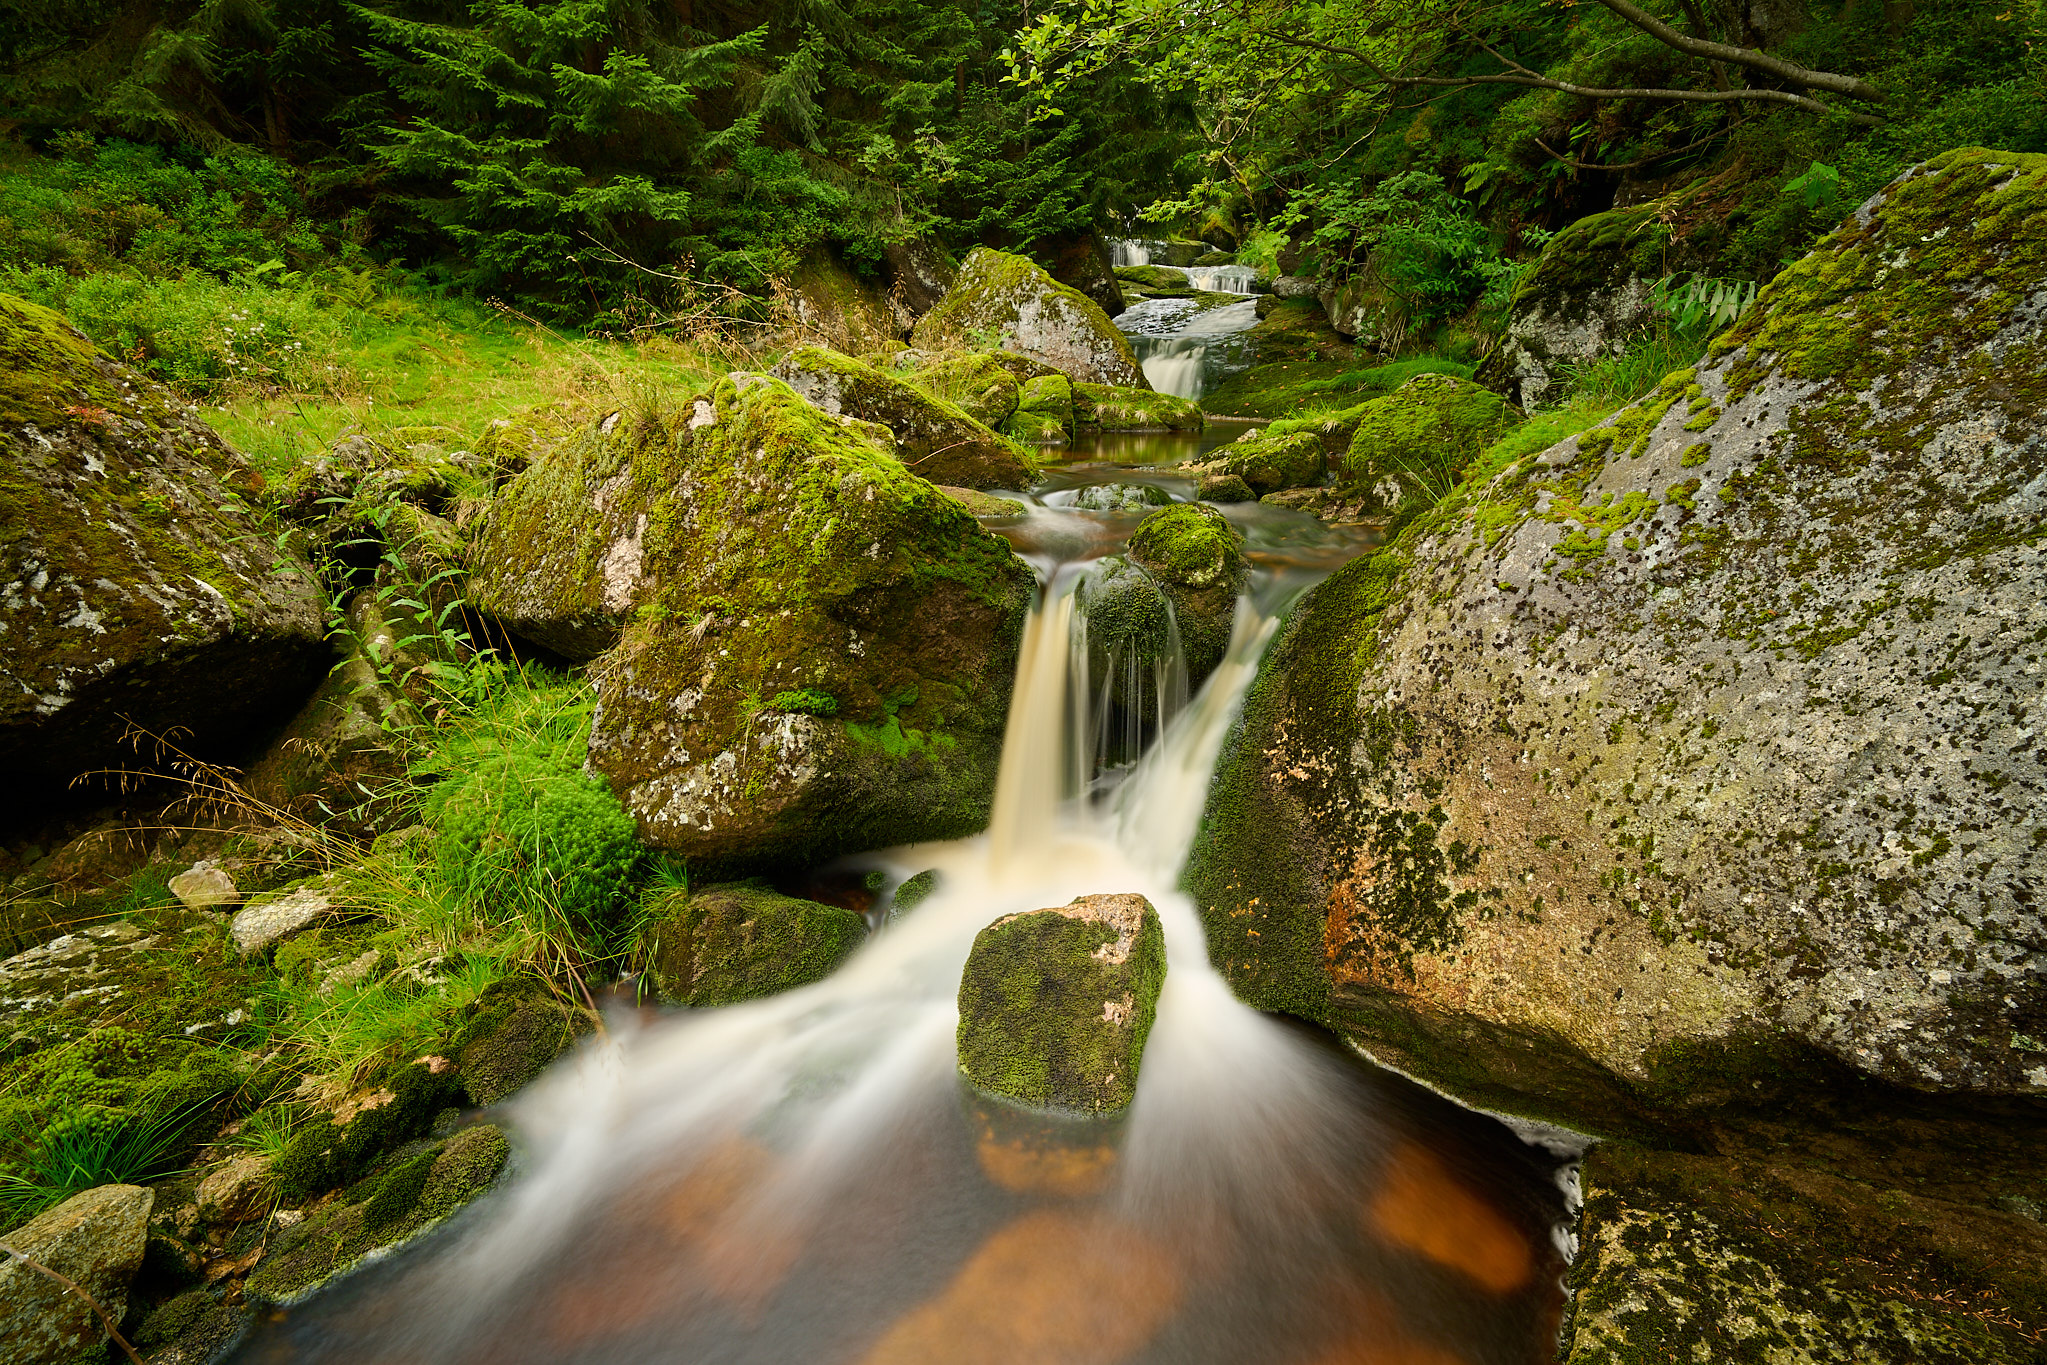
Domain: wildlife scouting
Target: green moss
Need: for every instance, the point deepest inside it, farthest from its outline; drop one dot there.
(323, 1154)
(1125, 409)
(1034, 1026)
(1010, 301)
(724, 944)
(914, 892)
(1418, 439)
(975, 382)
(1268, 463)
(512, 1032)
(1189, 545)
(938, 438)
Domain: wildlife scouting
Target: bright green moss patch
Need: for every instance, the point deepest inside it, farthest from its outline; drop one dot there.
(724, 944)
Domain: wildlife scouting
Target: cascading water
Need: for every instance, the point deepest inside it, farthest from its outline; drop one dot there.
(1222, 279)
(805, 1177)
(1183, 347)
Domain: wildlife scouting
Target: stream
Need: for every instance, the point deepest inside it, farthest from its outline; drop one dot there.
(806, 1177)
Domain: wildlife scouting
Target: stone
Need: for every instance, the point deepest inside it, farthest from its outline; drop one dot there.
(834, 305)
(1589, 295)
(1010, 301)
(1197, 558)
(1268, 463)
(516, 1028)
(1409, 448)
(853, 698)
(1121, 497)
(205, 886)
(915, 891)
(1111, 408)
(934, 437)
(1080, 261)
(724, 944)
(275, 916)
(1055, 1004)
(1044, 411)
(1645, 754)
(1360, 311)
(95, 1240)
(986, 506)
(978, 383)
(1296, 287)
(1224, 488)
(237, 1190)
(919, 273)
(138, 591)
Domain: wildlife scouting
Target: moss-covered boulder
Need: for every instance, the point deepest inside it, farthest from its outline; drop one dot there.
(914, 891)
(1044, 411)
(1055, 1005)
(510, 1035)
(1409, 447)
(1110, 408)
(1267, 463)
(724, 944)
(978, 383)
(1694, 749)
(1196, 556)
(1009, 301)
(934, 436)
(137, 587)
(1224, 489)
(1362, 311)
(1588, 296)
(1121, 497)
(832, 303)
(824, 661)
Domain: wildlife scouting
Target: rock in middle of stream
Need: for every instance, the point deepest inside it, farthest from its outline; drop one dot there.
(1055, 1004)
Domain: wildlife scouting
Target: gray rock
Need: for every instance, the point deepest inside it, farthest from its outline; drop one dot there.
(1700, 746)
(93, 1239)
(1009, 300)
(87, 964)
(1296, 287)
(270, 919)
(205, 886)
(1122, 497)
(136, 588)
(237, 1190)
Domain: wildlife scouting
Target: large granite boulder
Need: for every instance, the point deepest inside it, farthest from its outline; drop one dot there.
(1011, 301)
(824, 643)
(95, 1240)
(1268, 463)
(1590, 294)
(1693, 754)
(136, 586)
(1055, 1005)
(934, 435)
(1408, 448)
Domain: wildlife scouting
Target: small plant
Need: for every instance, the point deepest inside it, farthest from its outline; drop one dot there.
(267, 1132)
(805, 701)
(94, 1147)
(1692, 302)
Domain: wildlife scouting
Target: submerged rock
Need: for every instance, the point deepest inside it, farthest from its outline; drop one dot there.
(1121, 497)
(826, 644)
(136, 586)
(1055, 1005)
(1410, 447)
(1589, 295)
(1684, 765)
(915, 891)
(95, 1240)
(725, 944)
(1009, 298)
(934, 437)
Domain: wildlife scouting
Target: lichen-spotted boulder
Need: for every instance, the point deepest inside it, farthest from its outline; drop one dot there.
(976, 382)
(1009, 298)
(1591, 293)
(1692, 761)
(934, 436)
(135, 584)
(723, 944)
(823, 653)
(1409, 447)
(1055, 1005)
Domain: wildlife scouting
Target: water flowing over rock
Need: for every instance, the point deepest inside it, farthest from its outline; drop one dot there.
(1011, 301)
(1193, 553)
(851, 698)
(935, 437)
(1688, 763)
(724, 944)
(1588, 296)
(93, 1239)
(1055, 1005)
(135, 584)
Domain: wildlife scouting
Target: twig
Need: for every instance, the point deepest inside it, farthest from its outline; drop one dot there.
(90, 1302)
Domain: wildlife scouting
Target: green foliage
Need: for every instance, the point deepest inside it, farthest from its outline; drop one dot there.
(1634, 371)
(805, 701)
(1697, 304)
(1413, 237)
(521, 829)
(86, 1147)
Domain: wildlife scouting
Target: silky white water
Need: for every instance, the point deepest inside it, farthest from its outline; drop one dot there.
(804, 1176)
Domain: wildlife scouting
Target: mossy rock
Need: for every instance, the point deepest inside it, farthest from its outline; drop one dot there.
(412, 1190)
(1109, 408)
(1044, 411)
(1410, 446)
(986, 506)
(323, 1155)
(1224, 488)
(1589, 295)
(934, 436)
(841, 307)
(1055, 1005)
(976, 382)
(1010, 302)
(1597, 792)
(140, 589)
(1153, 276)
(1269, 463)
(914, 892)
(1121, 497)
(1080, 261)
(725, 944)
(510, 1035)
(822, 660)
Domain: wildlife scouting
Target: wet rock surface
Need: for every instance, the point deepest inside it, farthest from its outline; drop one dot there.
(1055, 1004)
(725, 944)
(94, 1240)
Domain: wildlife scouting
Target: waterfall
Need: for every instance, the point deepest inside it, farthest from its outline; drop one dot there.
(1222, 279)
(1173, 364)
(1125, 251)
(1184, 349)
(803, 1177)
